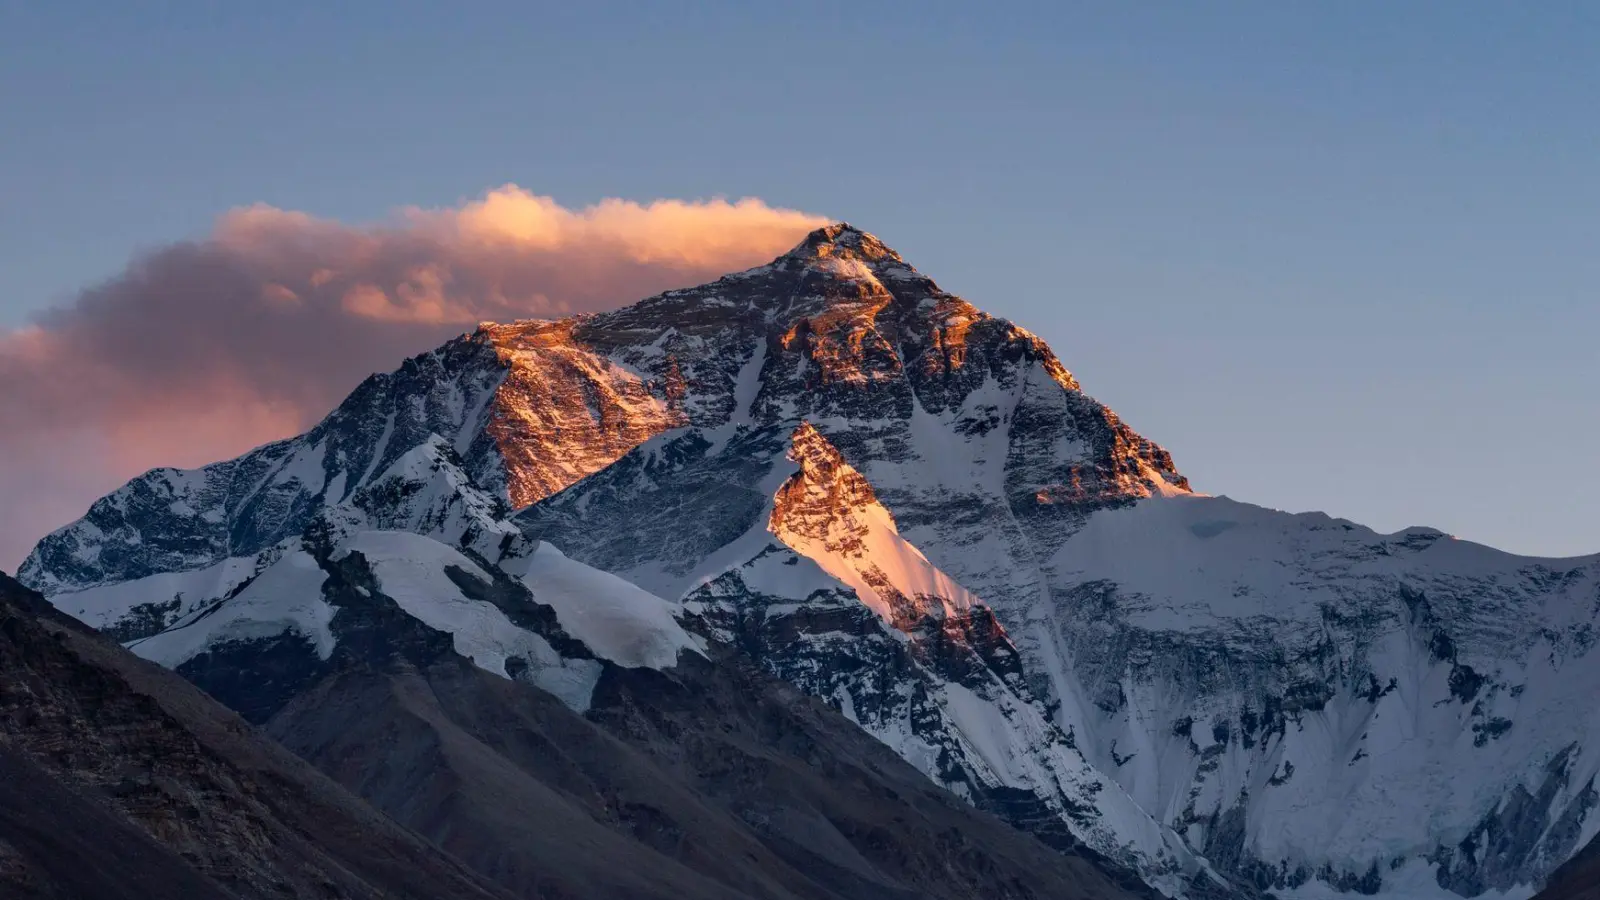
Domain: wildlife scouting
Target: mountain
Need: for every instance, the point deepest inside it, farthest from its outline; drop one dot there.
(531, 408)
(831, 470)
(557, 730)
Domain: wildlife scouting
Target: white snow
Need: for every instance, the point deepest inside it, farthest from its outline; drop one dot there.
(305, 467)
(378, 449)
(882, 554)
(786, 575)
(858, 545)
(985, 729)
(616, 619)
(1372, 781)
(105, 605)
(285, 597)
(411, 569)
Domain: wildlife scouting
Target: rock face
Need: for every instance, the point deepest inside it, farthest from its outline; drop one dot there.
(864, 486)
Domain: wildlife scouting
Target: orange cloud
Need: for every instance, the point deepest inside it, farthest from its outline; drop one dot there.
(200, 350)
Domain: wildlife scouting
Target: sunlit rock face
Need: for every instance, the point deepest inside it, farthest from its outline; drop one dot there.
(832, 599)
(910, 509)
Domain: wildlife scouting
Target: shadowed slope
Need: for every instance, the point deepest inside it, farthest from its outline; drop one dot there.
(122, 780)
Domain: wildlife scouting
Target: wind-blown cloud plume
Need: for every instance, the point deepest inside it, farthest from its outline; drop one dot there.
(201, 350)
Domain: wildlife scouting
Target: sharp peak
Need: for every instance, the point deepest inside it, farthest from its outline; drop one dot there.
(842, 240)
(821, 251)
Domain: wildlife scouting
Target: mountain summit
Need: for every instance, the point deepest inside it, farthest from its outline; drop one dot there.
(532, 407)
(840, 240)
(831, 471)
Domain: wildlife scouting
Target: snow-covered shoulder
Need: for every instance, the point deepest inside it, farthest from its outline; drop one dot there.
(1220, 559)
(285, 598)
(614, 618)
(414, 571)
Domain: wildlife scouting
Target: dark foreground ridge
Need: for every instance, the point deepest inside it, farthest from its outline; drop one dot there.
(118, 779)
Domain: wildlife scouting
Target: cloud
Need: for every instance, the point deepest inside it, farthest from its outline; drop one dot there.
(201, 350)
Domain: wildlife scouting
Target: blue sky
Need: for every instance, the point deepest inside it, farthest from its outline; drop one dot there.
(1334, 257)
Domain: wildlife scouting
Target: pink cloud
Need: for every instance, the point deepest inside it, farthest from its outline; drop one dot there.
(201, 350)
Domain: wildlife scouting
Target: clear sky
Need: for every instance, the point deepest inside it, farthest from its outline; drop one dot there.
(1334, 256)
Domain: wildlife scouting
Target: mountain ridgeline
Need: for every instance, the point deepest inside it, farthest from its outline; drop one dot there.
(766, 563)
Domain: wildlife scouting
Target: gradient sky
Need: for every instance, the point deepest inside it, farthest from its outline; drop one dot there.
(1336, 256)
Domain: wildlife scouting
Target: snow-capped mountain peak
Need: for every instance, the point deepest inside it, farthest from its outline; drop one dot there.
(842, 239)
(911, 509)
(847, 252)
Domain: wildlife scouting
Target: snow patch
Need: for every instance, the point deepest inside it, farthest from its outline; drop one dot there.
(614, 618)
(285, 597)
